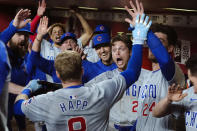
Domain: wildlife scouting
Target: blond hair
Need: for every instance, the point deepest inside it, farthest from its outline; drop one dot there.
(69, 65)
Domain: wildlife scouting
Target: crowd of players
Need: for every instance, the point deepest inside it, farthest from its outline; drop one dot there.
(104, 86)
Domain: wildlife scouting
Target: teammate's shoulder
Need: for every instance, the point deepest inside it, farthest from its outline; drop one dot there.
(190, 89)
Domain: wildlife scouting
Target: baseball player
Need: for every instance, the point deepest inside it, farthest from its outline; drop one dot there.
(101, 43)
(123, 114)
(92, 56)
(77, 107)
(161, 40)
(178, 100)
(5, 67)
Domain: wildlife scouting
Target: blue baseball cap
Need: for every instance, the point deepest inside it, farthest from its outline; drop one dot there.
(101, 39)
(101, 29)
(27, 28)
(68, 35)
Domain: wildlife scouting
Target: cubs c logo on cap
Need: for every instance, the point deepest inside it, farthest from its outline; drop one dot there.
(102, 28)
(99, 38)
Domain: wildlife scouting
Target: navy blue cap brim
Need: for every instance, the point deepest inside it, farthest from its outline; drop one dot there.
(68, 37)
(31, 33)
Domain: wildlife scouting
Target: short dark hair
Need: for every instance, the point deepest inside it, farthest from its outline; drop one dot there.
(191, 64)
(124, 38)
(168, 30)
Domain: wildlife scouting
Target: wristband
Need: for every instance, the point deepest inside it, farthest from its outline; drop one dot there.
(26, 91)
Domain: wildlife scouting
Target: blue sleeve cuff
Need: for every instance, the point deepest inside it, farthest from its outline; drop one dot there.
(26, 92)
(17, 107)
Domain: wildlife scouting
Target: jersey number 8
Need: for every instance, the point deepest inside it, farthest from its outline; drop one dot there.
(74, 120)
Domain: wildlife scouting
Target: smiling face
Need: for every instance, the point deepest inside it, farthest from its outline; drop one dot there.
(68, 44)
(104, 53)
(56, 34)
(120, 54)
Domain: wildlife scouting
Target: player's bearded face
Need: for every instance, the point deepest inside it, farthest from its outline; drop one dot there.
(164, 40)
(57, 32)
(193, 79)
(104, 53)
(120, 55)
(19, 44)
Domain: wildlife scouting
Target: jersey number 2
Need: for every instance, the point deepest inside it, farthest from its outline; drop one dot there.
(80, 120)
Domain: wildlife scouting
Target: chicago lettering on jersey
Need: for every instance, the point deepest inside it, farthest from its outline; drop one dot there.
(191, 119)
(73, 105)
(147, 91)
(133, 90)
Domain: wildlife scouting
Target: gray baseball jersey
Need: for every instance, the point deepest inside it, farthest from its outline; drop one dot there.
(189, 105)
(154, 88)
(125, 110)
(49, 52)
(91, 53)
(69, 109)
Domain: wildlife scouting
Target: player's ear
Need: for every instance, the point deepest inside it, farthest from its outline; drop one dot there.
(82, 71)
(58, 75)
(170, 48)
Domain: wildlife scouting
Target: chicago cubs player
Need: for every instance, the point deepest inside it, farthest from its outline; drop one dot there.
(123, 114)
(101, 43)
(161, 41)
(178, 100)
(5, 66)
(77, 107)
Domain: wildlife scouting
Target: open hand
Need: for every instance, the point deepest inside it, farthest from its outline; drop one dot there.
(137, 10)
(41, 8)
(43, 26)
(175, 93)
(20, 19)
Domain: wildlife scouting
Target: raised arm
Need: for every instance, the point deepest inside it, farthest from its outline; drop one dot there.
(35, 59)
(88, 32)
(174, 95)
(40, 11)
(164, 59)
(138, 9)
(19, 22)
(132, 72)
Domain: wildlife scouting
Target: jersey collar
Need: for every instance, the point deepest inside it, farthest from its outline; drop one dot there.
(75, 86)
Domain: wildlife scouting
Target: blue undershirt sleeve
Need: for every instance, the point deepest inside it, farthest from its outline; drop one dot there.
(47, 66)
(17, 107)
(7, 34)
(164, 59)
(133, 70)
